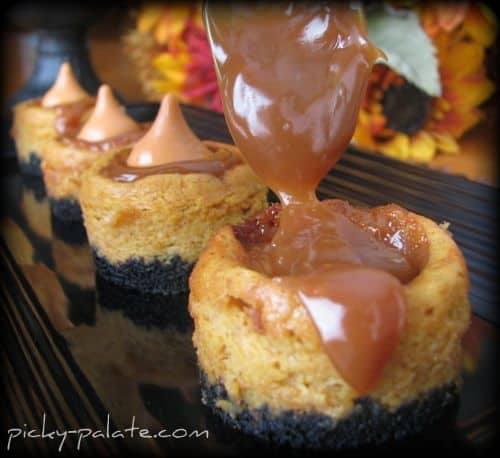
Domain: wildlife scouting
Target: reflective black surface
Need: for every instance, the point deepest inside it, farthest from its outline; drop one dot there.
(78, 352)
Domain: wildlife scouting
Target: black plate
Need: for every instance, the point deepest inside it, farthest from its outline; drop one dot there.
(75, 348)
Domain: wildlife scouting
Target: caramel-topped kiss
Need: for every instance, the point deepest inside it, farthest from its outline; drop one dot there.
(108, 119)
(168, 140)
(66, 89)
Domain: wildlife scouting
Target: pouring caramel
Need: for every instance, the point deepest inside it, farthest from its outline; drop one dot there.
(292, 78)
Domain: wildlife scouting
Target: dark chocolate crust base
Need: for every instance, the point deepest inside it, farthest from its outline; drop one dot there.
(370, 424)
(147, 310)
(67, 221)
(70, 232)
(149, 277)
(66, 209)
(36, 184)
(32, 166)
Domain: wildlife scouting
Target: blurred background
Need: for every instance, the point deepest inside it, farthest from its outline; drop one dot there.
(434, 103)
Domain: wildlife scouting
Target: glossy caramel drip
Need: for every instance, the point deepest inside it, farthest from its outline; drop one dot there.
(108, 120)
(389, 225)
(291, 104)
(119, 170)
(65, 89)
(168, 140)
(315, 235)
(359, 313)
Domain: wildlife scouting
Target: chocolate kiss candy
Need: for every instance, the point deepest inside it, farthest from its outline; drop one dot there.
(108, 119)
(168, 140)
(66, 89)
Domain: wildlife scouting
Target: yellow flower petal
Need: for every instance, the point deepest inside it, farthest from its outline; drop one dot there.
(177, 19)
(165, 87)
(169, 60)
(172, 24)
(398, 147)
(456, 122)
(445, 143)
(177, 76)
(481, 24)
(162, 31)
(149, 16)
(363, 138)
(470, 92)
(462, 59)
(422, 147)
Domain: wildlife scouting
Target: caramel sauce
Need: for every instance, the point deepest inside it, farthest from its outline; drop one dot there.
(358, 325)
(69, 117)
(118, 170)
(314, 235)
(292, 77)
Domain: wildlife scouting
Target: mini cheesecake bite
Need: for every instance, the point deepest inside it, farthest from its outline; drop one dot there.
(37, 122)
(314, 320)
(107, 129)
(149, 210)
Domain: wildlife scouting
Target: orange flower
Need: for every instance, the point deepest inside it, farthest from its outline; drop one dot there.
(460, 33)
(182, 61)
(442, 16)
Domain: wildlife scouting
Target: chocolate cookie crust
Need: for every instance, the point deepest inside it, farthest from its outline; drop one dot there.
(154, 277)
(369, 423)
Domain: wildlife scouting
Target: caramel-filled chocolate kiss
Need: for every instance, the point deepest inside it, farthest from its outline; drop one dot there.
(66, 89)
(169, 146)
(168, 140)
(108, 119)
(292, 77)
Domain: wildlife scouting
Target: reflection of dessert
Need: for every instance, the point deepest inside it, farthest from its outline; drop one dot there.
(143, 309)
(149, 211)
(17, 242)
(74, 263)
(49, 293)
(71, 231)
(75, 268)
(36, 122)
(35, 184)
(37, 213)
(117, 357)
(318, 324)
(65, 158)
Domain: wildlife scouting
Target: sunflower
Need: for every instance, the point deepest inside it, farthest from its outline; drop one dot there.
(401, 120)
(169, 47)
(398, 117)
